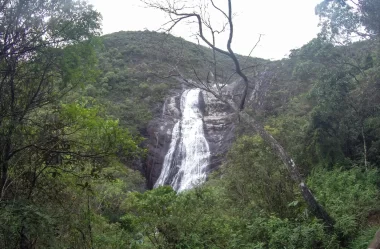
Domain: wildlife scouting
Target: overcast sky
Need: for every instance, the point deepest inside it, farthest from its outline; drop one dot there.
(285, 24)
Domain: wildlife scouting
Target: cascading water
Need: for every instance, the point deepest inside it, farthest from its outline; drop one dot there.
(165, 171)
(188, 156)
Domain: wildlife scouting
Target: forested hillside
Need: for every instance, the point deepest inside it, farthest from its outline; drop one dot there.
(74, 112)
(140, 67)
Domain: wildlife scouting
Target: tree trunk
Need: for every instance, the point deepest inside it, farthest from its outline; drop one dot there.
(307, 195)
(3, 180)
(364, 147)
(170, 9)
(4, 167)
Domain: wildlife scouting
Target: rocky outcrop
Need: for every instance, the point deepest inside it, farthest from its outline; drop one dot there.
(219, 122)
(160, 132)
(218, 128)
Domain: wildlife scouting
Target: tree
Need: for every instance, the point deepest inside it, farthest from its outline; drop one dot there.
(344, 98)
(166, 220)
(341, 20)
(46, 50)
(253, 178)
(180, 11)
(36, 69)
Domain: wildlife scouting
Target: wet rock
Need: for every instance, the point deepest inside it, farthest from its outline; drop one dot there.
(218, 128)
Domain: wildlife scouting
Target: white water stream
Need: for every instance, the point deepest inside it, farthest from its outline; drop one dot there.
(189, 152)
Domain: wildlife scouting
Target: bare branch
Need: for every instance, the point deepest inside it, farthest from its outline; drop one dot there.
(203, 21)
(254, 47)
(220, 10)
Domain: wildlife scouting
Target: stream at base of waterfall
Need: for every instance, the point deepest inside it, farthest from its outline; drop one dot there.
(186, 161)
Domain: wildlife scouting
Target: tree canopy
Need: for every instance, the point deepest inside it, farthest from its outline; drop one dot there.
(74, 109)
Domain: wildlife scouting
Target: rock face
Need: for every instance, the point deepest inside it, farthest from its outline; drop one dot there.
(218, 130)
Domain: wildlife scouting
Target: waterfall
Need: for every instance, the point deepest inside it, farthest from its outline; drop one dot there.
(165, 171)
(187, 159)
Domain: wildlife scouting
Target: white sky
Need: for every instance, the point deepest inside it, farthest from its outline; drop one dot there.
(286, 24)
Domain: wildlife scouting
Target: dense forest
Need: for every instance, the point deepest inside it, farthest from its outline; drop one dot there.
(74, 112)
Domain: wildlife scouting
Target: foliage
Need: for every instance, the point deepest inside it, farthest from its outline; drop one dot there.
(72, 112)
(323, 108)
(132, 73)
(97, 135)
(52, 149)
(139, 67)
(342, 98)
(344, 21)
(207, 217)
(362, 239)
(348, 195)
(168, 220)
(253, 179)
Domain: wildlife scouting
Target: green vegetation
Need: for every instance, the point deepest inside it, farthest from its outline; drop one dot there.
(60, 152)
(135, 68)
(71, 134)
